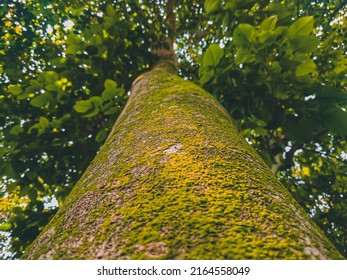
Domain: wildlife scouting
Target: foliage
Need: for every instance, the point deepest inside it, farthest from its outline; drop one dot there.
(284, 81)
(61, 92)
(66, 68)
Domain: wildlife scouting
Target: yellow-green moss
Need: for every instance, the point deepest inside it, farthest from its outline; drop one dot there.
(175, 180)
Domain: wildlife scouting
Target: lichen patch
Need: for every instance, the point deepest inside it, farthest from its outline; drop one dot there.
(175, 148)
(156, 250)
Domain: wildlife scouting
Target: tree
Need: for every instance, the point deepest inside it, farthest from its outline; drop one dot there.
(175, 180)
(272, 77)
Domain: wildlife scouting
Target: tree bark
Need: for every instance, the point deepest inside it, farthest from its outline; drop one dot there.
(175, 180)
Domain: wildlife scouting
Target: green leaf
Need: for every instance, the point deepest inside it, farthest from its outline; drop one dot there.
(74, 44)
(111, 93)
(307, 67)
(269, 23)
(304, 43)
(51, 77)
(9, 171)
(207, 76)
(110, 10)
(44, 122)
(101, 135)
(31, 174)
(212, 56)
(16, 129)
(245, 4)
(83, 106)
(243, 55)
(302, 26)
(111, 111)
(267, 37)
(90, 107)
(6, 227)
(336, 120)
(211, 6)
(260, 131)
(266, 157)
(15, 89)
(52, 87)
(329, 94)
(34, 87)
(96, 101)
(41, 100)
(243, 34)
(300, 129)
(110, 84)
(92, 113)
(226, 20)
(57, 123)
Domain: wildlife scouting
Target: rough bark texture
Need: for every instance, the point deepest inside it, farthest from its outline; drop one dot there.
(175, 180)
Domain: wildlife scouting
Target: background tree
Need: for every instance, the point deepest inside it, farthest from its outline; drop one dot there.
(66, 67)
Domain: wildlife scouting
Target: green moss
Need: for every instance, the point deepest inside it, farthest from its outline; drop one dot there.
(175, 180)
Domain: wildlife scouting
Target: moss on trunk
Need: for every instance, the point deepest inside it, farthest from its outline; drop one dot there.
(175, 180)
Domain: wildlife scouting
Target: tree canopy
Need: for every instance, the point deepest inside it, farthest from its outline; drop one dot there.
(279, 68)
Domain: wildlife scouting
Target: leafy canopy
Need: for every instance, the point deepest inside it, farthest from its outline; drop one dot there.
(66, 68)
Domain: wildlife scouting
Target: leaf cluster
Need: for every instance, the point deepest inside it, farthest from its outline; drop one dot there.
(280, 70)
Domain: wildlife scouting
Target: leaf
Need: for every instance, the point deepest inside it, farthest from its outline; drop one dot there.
(51, 77)
(83, 106)
(111, 111)
(304, 43)
(260, 131)
(207, 76)
(243, 34)
(9, 171)
(269, 23)
(72, 49)
(110, 84)
(336, 120)
(6, 227)
(17, 129)
(44, 122)
(31, 174)
(226, 20)
(266, 157)
(15, 89)
(211, 6)
(52, 87)
(110, 10)
(245, 4)
(41, 100)
(111, 93)
(74, 44)
(328, 94)
(307, 67)
(101, 135)
(96, 101)
(90, 107)
(302, 26)
(212, 56)
(243, 55)
(300, 129)
(92, 113)
(267, 37)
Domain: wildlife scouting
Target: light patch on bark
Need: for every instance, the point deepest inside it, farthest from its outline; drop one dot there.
(173, 149)
(156, 250)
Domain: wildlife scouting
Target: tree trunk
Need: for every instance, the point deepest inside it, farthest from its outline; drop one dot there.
(175, 180)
